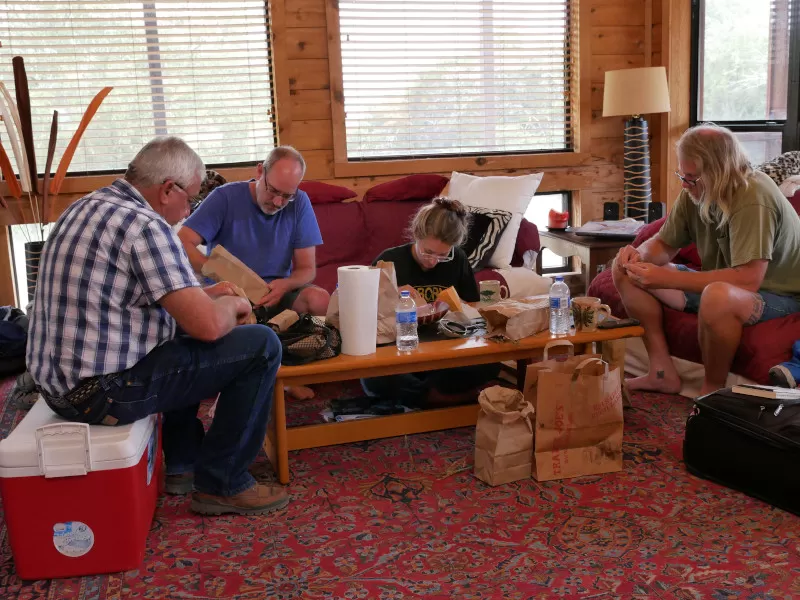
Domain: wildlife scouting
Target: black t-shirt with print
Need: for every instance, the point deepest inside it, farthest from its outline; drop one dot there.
(429, 284)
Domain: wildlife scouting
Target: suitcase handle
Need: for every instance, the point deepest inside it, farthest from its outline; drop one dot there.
(63, 449)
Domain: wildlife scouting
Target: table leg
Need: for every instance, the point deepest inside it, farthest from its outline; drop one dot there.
(276, 444)
(614, 354)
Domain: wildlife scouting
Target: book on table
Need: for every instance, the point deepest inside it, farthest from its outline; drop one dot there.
(766, 391)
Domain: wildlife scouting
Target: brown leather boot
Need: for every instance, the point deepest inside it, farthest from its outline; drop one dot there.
(257, 500)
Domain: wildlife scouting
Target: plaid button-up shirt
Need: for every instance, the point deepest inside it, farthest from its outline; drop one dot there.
(106, 264)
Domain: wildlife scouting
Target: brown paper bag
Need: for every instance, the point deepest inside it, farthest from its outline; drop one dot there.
(503, 436)
(224, 266)
(517, 319)
(387, 302)
(578, 417)
(251, 319)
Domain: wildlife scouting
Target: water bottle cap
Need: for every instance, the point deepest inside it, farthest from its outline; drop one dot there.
(559, 278)
(405, 294)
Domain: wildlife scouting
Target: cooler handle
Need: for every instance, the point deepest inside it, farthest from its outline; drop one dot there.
(50, 449)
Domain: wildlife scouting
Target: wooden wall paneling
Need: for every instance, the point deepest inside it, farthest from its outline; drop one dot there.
(8, 296)
(305, 13)
(309, 74)
(610, 62)
(584, 19)
(319, 164)
(648, 33)
(313, 135)
(306, 42)
(280, 71)
(310, 105)
(611, 13)
(336, 85)
(676, 53)
(617, 40)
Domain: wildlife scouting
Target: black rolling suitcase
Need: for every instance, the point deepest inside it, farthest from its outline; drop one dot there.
(747, 443)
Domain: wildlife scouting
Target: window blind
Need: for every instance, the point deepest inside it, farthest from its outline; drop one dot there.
(199, 69)
(436, 78)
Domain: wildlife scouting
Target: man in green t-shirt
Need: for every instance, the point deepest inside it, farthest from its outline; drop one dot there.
(748, 238)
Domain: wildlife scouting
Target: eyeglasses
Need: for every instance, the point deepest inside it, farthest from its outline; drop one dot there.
(437, 257)
(278, 193)
(686, 180)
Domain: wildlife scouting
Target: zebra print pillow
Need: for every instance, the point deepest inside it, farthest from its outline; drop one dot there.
(487, 226)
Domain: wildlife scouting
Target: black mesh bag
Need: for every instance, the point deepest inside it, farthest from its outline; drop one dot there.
(309, 339)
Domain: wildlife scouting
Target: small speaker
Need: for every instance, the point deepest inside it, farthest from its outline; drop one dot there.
(655, 210)
(610, 211)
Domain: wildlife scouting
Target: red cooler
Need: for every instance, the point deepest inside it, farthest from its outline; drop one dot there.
(78, 499)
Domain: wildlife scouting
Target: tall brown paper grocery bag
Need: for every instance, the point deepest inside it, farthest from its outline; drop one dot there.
(503, 436)
(387, 301)
(579, 419)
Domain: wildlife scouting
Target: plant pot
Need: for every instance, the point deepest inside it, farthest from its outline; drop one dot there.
(33, 253)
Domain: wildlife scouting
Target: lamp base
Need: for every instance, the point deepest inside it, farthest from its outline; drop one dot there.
(636, 161)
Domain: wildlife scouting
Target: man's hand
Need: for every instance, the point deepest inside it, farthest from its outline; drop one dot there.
(223, 288)
(649, 276)
(276, 289)
(627, 256)
(418, 300)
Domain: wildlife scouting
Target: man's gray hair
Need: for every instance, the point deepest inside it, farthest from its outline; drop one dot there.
(162, 158)
(282, 152)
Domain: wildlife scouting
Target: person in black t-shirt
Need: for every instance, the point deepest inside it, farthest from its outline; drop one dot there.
(431, 263)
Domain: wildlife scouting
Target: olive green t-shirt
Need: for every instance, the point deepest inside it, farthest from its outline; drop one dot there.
(762, 225)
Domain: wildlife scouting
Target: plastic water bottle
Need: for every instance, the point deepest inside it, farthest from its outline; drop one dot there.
(406, 323)
(559, 307)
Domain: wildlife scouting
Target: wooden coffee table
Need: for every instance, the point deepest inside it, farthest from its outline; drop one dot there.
(388, 361)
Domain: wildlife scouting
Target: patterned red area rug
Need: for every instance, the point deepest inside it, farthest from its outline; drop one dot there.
(405, 518)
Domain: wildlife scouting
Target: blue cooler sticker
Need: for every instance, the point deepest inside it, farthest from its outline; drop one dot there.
(73, 538)
(152, 444)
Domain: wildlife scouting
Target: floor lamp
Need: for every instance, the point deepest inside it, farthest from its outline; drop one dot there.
(632, 93)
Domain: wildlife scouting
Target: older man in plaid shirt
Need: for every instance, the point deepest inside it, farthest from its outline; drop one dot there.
(122, 329)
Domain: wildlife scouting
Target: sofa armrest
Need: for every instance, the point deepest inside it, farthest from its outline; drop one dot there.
(527, 240)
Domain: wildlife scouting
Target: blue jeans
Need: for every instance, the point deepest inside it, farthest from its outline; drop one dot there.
(775, 305)
(175, 377)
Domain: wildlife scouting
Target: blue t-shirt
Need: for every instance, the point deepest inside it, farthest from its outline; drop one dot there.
(230, 217)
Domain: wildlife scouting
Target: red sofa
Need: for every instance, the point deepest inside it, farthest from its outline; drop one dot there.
(762, 346)
(355, 233)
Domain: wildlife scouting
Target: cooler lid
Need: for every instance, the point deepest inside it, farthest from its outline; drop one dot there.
(45, 444)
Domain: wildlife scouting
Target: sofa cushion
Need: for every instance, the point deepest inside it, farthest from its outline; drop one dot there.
(323, 193)
(421, 187)
(484, 234)
(512, 194)
(344, 229)
(387, 225)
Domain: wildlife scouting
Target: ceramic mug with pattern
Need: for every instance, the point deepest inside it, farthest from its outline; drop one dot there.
(586, 312)
(491, 291)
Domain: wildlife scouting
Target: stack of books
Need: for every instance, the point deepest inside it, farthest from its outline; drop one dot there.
(766, 391)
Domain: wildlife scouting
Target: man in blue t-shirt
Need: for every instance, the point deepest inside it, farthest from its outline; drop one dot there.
(270, 226)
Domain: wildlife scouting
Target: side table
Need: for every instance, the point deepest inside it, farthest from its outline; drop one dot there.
(593, 252)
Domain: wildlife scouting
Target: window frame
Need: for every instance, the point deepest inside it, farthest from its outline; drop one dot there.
(788, 128)
(580, 86)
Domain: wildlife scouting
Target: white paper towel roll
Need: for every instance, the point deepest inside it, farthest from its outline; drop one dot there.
(358, 309)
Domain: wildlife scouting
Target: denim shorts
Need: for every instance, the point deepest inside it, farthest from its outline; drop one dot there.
(775, 305)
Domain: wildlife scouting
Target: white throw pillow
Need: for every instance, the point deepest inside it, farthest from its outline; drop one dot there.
(512, 194)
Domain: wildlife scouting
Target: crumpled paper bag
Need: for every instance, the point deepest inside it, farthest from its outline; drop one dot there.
(224, 266)
(503, 436)
(517, 319)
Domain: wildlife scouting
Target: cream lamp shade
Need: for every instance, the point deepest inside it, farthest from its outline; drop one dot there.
(635, 92)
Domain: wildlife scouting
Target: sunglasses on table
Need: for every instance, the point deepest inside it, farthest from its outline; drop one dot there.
(437, 257)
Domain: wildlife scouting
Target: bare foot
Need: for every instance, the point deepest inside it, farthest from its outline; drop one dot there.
(667, 384)
(300, 392)
(708, 388)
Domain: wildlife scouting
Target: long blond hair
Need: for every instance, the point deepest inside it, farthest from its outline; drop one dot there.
(723, 166)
